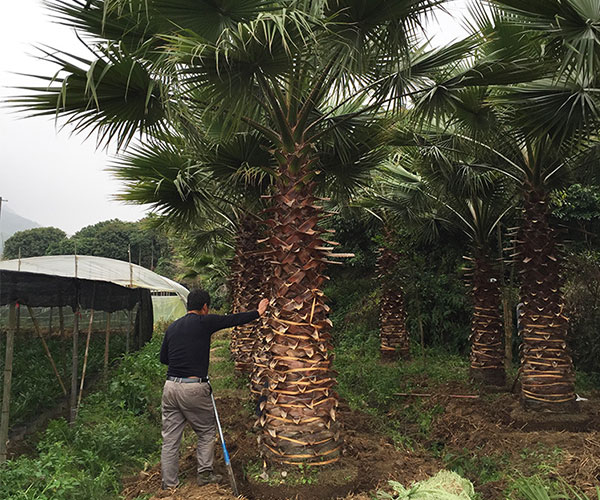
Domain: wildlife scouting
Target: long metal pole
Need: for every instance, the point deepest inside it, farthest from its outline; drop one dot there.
(225, 453)
(8, 365)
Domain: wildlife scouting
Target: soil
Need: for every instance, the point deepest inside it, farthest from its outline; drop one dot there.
(489, 427)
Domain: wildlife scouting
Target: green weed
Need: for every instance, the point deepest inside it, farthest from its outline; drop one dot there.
(115, 433)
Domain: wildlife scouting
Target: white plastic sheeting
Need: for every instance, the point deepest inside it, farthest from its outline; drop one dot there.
(96, 268)
(167, 308)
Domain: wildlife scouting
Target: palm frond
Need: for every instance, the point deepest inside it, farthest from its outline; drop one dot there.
(113, 96)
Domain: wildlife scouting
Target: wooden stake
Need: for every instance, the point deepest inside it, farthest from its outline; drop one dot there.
(50, 321)
(48, 353)
(8, 366)
(421, 331)
(61, 321)
(106, 344)
(85, 358)
(74, 367)
(128, 334)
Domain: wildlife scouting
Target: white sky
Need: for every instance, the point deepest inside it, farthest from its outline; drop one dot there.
(49, 176)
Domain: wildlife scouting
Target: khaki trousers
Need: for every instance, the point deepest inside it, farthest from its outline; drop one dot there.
(183, 403)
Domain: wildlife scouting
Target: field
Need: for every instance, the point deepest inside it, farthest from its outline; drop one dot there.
(402, 421)
(486, 439)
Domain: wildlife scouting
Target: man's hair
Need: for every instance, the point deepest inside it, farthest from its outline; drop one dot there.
(196, 300)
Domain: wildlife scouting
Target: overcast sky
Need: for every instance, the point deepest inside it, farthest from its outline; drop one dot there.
(52, 177)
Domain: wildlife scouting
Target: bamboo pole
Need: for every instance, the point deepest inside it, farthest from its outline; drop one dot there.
(85, 358)
(18, 316)
(74, 367)
(8, 366)
(48, 353)
(428, 395)
(128, 334)
(50, 321)
(106, 344)
(61, 331)
(61, 321)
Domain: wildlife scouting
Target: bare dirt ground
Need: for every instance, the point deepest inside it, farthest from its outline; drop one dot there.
(490, 431)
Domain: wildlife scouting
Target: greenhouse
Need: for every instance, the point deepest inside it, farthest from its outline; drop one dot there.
(59, 296)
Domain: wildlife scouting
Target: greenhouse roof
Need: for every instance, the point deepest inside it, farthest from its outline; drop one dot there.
(95, 282)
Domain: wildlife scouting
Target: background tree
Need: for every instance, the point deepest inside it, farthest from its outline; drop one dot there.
(114, 239)
(33, 242)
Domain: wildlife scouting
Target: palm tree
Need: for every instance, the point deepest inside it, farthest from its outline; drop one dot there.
(448, 192)
(541, 130)
(395, 338)
(298, 73)
(557, 117)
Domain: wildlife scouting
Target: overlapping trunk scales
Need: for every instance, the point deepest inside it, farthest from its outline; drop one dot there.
(234, 286)
(250, 273)
(547, 376)
(260, 365)
(395, 341)
(487, 335)
(299, 418)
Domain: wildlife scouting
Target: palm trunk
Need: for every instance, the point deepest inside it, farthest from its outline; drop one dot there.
(395, 341)
(299, 419)
(487, 335)
(547, 376)
(248, 290)
(260, 356)
(234, 286)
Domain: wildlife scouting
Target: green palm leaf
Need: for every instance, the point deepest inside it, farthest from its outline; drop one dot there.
(114, 96)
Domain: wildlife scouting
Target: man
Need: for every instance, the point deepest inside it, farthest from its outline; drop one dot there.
(186, 394)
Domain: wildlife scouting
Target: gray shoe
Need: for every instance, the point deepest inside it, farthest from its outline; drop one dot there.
(208, 477)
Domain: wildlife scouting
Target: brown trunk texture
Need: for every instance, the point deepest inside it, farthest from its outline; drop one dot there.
(299, 418)
(234, 285)
(248, 279)
(395, 340)
(547, 376)
(260, 355)
(487, 334)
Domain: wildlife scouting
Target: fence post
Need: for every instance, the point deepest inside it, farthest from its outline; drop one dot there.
(8, 366)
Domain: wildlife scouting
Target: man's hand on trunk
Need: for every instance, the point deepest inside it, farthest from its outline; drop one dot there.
(262, 306)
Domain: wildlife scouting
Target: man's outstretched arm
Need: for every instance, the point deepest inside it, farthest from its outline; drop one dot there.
(218, 322)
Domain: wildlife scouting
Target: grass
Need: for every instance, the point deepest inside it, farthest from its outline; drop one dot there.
(291, 476)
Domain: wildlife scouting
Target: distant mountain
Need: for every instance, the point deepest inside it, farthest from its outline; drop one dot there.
(10, 223)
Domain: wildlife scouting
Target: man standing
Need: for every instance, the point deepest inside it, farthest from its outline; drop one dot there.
(186, 394)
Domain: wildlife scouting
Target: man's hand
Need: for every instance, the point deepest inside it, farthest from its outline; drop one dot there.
(262, 306)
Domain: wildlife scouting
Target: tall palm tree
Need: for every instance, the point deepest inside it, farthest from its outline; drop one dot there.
(541, 130)
(427, 187)
(395, 338)
(294, 72)
(557, 118)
